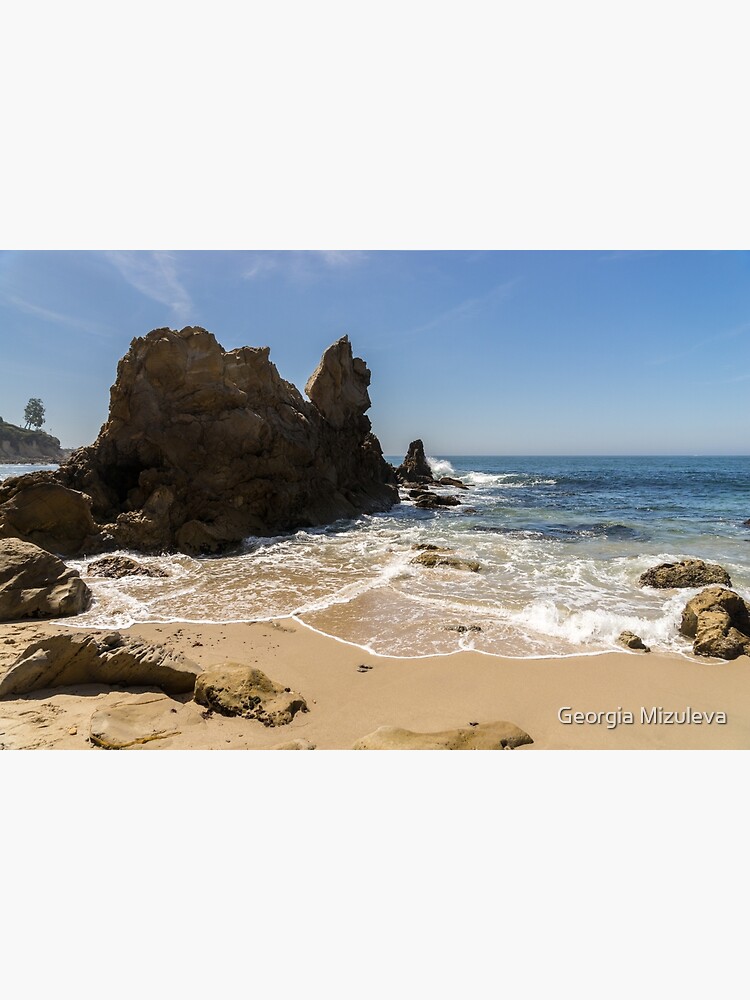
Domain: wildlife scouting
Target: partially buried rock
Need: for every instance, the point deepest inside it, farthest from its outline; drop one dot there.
(118, 566)
(143, 719)
(295, 745)
(236, 689)
(632, 641)
(433, 559)
(718, 621)
(488, 736)
(81, 658)
(36, 584)
(688, 573)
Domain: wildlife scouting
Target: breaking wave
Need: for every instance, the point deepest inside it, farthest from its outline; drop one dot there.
(532, 596)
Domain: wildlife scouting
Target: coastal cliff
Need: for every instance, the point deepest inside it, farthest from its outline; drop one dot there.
(204, 447)
(18, 445)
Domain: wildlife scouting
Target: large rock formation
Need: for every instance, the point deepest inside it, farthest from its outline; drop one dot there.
(36, 584)
(688, 573)
(718, 621)
(81, 658)
(204, 447)
(415, 468)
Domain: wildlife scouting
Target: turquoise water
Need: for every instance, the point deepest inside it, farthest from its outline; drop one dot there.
(561, 543)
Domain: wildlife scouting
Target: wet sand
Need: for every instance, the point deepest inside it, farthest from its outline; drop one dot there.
(423, 694)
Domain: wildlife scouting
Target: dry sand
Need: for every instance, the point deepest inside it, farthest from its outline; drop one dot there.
(429, 694)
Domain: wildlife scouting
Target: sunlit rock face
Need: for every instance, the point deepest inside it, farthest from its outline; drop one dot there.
(204, 447)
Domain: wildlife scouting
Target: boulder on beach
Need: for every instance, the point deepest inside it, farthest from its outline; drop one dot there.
(204, 447)
(119, 566)
(487, 736)
(237, 689)
(688, 573)
(718, 621)
(86, 658)
(415, 468)
(36, 584)
(632, 641)
(432, 559)
(36, 509)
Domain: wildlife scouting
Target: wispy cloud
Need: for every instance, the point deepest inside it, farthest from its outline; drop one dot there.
(466, 308)
(301, 265)
(734, 331)
(154, 273)
(51, 315)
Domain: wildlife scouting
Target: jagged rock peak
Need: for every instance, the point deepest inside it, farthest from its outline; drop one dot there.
(338, 386)
(415, 468)
(204, 447)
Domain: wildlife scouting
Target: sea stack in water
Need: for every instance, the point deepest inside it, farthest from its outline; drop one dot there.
(415, 467)
(204, 447)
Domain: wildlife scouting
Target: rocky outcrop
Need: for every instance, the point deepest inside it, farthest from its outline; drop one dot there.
(450, 481)
(718, 621)
(338, 386)
(488, 736)
(688, 573)
(632, 641)
(81, 658)
(205, 447)
(37, 509)
(415, 468)
(434, 501)
(236, 689)
(36, 584)
(115, 567)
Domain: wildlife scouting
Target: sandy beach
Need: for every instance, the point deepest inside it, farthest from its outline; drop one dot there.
(435, 693)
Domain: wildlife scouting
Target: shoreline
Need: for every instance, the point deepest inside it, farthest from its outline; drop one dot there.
(427, 693)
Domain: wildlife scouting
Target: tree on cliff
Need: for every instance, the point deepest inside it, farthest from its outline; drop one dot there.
(34, 413)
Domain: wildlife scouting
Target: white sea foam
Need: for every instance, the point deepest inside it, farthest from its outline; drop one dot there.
(440, 467)
(505, 480)
(537, 594)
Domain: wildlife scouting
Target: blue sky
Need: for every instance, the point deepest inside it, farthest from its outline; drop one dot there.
(487, 352)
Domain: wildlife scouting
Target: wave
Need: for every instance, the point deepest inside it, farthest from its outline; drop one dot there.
(565, 532)
(440, 467)
(505, 480)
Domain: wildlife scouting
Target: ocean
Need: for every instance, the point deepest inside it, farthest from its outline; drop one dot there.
(561, 543)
